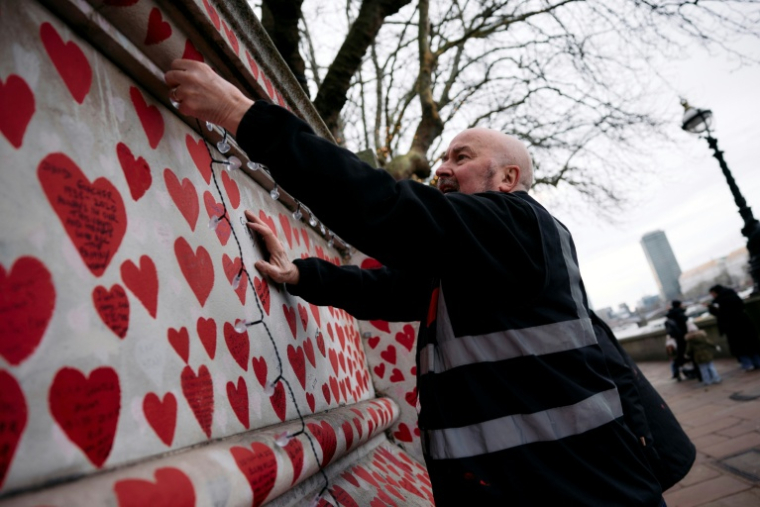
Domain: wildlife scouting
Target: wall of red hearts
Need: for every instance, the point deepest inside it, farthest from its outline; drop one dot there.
(143, 360)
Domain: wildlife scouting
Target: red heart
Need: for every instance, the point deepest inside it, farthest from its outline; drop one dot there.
(191, 53)
(136, 171)
(233, 192)
(16, 109)
(199, 393)
(329, 326)
(113, 308)
(305, 235)
(411, 397)
(326, 392)
(321, 344)
(259, 468)
(268, 85)
(238, 345)
(254, 66)
(69, 61)
(93, 214)
(158, 29)
(325, 436)
(372, 342)
(278, 401)
(304, 316)
(161, 415)
(349, 477)
(184, 196)
(407, 485)
(262, 290)
(197, 268)
(143, 282)
(308, 348)
(87, 409)
(207, 333)
(290, 315)
(212, 14)
(285, 224)
(180, 341)
(343, 388)
(231, 37)
(13, 419)
(370, 263)
(232, 269)
(342, 361)
(27, 300)
(238, 397)
(397, 376)
(200, 155)
(348, 432)
(298, 363)
(381, 325)
(150, 117)
(341, 337)
(364, 474)
(335, 389)
(344, 499)
(216, 209)
(172, 487)
(403, 434)
(413, 371)
(358, 425)
(379, 370)
(294, 448)
(260, 369)
(311, 401)
(406, 337)
(389, 354)
(268, 220)
(334, 360)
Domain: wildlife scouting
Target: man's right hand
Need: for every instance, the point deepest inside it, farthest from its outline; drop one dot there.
(279, 267)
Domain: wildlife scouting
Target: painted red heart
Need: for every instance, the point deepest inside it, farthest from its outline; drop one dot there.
(343, 388)
(180, 341)
(364, 474)
(342, 496)
(232, 269)
(311, 401)
(358, 426)
(294, 449)
(342, 361)
(16, 109)
(411, 397)
(306, 239)
(334, 360)
(262, 291)
(113, 308)
(191, 53)
(199, 393)
(268, 220)
(13, 418)
(197, 268)
(335, 389)
(290, 316)
(143, 282)
(207, 333)
(136, 171)
(406, 337)
(216, 209)
(268, 86)
(232, 189)
(403, 434)
(254, 66)
(212, 15)
(27, 300)
(298, 363)
(238, 397)
(320, 254)
(370, 263)
(341, 337)
(389, 354)
(349, 477)
(161, 415)
(381, 325)
(87, 409)
(321, 344)
(304, 316)
(285, 224)
(279, 402)
(184, 196)
(325, 436)
(150, 117)
(172, 487)
(373, 341)
(348, 433)
(329, 326)
(69, 60)
(200, 155)
(231, 37)
(308, 348)
(396, 376)
(379, 370)
(259, 466)
(260, 370)
(92, 214)
(326, 392)
(238, 344)
(158, 29)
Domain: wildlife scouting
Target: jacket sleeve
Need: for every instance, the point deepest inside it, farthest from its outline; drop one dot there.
(367, 294)
(403, 224)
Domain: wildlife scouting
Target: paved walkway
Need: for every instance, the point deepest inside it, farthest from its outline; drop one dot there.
(725, 430)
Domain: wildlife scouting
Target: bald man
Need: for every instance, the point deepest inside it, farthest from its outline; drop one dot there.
(525, 398)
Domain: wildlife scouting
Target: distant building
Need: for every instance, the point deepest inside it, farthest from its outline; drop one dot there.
(663, 263)
(731, 270)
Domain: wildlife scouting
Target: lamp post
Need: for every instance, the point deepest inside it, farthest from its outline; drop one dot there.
(698, 121)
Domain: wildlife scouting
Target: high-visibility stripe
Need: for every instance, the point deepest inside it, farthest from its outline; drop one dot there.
(573, 271)
(521, 429)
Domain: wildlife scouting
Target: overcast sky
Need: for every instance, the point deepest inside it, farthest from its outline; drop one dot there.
(686, 195)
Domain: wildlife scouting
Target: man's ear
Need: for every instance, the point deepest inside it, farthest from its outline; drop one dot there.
(510, 179)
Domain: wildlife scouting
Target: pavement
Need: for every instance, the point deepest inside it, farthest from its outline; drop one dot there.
(723, 421)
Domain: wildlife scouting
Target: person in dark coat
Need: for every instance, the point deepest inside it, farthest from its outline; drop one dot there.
(735, 324)
(676, 327)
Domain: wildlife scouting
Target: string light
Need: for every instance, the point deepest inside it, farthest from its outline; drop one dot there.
(331, 241)
(214, 222)
(322, 229)
(236, 280)
(312, 220)
(223, 146)
(282, 439)
(297, 215)
(209, 126)
(174, 103)
(253, 166)
(274, 193)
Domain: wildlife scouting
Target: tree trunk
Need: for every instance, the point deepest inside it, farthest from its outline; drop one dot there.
(280, 20)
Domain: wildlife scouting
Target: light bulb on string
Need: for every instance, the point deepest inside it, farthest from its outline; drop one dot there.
(269, 388)
(223, 146)
(331, 241)
(312, 220)
(322, 229)
(209, 126)
(253, 166)
(236, 280)
(274, 193)
(214, 222)
(241, 326)
(297, 213)
(233, 163)
(282, 439)
(174, 103)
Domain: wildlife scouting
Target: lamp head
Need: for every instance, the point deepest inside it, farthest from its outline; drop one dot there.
(696, 120)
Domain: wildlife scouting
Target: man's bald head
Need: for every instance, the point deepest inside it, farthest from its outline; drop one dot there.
(506, 150)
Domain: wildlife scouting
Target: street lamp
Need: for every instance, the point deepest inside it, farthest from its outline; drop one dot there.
(698, 121)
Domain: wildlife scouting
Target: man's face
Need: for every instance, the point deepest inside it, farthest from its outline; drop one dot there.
(467, 166)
